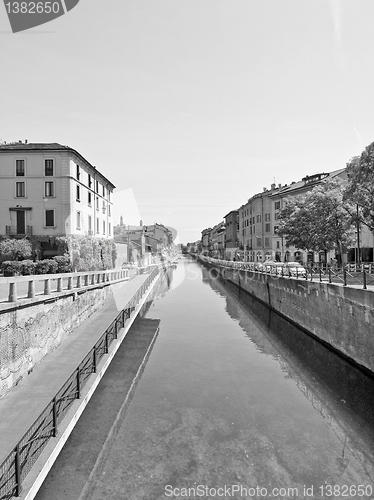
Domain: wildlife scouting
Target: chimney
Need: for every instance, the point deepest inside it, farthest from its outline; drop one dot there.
(20, 142)
(279, 186)
(25, 141)
(273, 186)
(264, 189)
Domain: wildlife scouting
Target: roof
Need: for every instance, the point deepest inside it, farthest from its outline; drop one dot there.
(34, 145)
(231, 212)
(52, 146)
(314, 180)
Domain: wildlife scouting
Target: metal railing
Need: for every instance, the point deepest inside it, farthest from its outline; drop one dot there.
(21, 231)
(21, 459)
(61, 282)
(350, 275)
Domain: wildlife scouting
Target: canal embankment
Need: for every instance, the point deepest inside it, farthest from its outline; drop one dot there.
(38, 415)
(44, 310)
(340, 316)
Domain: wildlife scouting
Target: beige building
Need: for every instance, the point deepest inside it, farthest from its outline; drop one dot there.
(49, 190)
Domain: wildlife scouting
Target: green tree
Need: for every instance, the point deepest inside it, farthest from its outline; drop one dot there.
(15, 249)
(359, 192)
(319, 221)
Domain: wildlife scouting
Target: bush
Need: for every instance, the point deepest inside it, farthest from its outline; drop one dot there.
(91, 254)
(63, 264)
(14, 249)
(46, 266)
(11, 267)
(27, 267)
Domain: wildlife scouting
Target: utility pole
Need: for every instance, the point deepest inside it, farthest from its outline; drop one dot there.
(128, 244)
(358, 238)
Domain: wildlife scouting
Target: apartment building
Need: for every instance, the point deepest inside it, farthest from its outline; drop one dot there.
(49, 190)
(218, 240)
(232, 234)
(206, 240)
(258, 226)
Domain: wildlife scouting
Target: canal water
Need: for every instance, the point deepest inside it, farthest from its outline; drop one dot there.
(235, 402)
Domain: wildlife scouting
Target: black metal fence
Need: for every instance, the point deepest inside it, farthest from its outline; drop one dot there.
(349, 275)
(19, 462)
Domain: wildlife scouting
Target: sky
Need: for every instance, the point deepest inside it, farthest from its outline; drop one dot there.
(190, 107)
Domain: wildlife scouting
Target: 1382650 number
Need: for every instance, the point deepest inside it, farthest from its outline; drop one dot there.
(33, 7)
(344, 490)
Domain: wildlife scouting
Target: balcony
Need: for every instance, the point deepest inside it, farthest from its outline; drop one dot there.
(18, 231)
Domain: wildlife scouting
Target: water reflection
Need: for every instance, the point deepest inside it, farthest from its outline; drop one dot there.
(339, 391)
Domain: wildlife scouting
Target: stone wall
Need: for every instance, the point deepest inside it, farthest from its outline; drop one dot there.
(342, 317)
(28, 333)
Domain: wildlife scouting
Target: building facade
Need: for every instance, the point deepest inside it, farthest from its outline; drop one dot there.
(206, 241)
(232, 235)
(218, 240)
(258, 227)
(50, 190)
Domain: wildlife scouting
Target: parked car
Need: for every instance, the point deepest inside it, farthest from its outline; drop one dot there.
(270, 266)
(279, 268)
(295, 269)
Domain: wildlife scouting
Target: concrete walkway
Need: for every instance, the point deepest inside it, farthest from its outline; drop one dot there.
(80, 462)
(23, 404)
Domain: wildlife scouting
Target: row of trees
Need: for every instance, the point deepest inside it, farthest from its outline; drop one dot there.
(327, 217)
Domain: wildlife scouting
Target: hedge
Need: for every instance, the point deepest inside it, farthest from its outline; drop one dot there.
(11, 267)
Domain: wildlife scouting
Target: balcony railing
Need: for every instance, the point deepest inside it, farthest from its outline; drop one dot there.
(17, 231)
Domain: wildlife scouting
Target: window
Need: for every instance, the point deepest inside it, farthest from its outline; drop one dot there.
(78, 193)
(267, 217)
(49, 218)
(276, 229)
(49, 189)
(103, 191)
(20, 168)
(103, 226)
(89, 199)
(20, 189)
(267, 242)
(78, 220)
(276, 216)
(267, 227)
(78, 172)
(277, 205)
(97, 186)
(258, 242)
(108, 195)
(258, 218)
(97, 203)
(97, 226)
(109, 210)
(48, 168)
(109, 229)
(89, 181)
(278, 244)
(89, 224)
